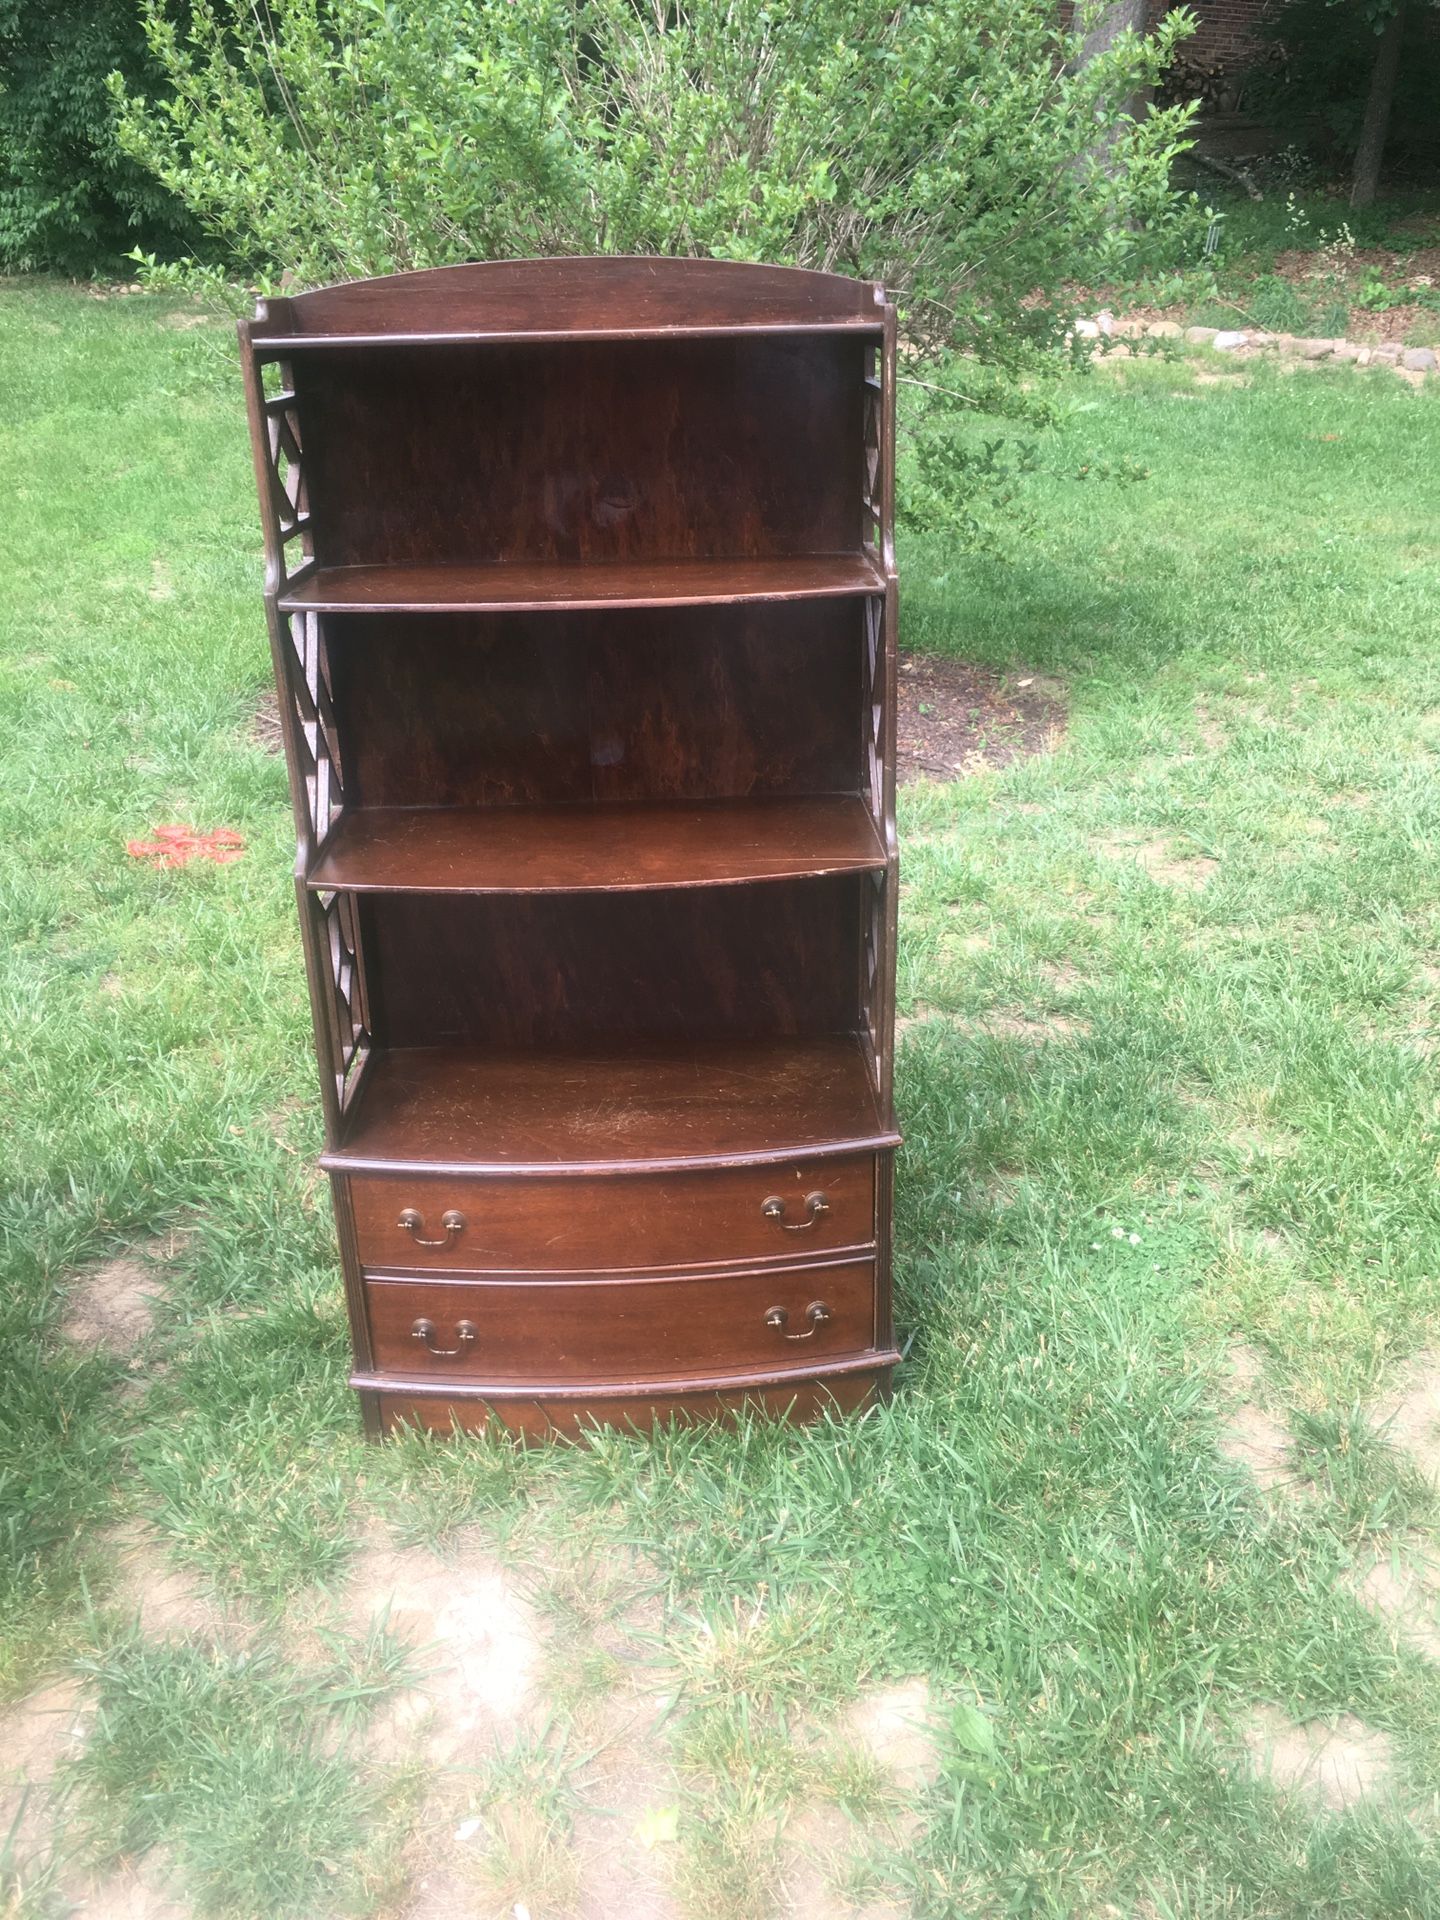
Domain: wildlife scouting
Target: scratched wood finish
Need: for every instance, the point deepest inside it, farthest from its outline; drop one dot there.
(660, 1106)
(705, 703)
(611, 846)
(616, 1223)
(526, 586)
(580, 584)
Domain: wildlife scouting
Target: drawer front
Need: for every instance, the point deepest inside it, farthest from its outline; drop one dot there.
(617, 1331)
(562, 1225)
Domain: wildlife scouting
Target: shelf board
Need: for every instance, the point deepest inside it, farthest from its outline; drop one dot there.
(686, 1104)
(610, 846)
(529, 586)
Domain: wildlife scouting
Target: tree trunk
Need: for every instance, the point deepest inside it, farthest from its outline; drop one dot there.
(1376, 124)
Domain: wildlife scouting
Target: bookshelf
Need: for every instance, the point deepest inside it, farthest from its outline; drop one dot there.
(581, 593)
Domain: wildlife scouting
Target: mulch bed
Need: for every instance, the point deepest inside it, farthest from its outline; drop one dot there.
(956, 719)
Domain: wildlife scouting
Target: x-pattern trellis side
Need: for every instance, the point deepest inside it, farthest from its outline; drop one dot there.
(872, 494)
(877, 912)
(335, 925)
(286, 489)
(317, 738)
(330, 919)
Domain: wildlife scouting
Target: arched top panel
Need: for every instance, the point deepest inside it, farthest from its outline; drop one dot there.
(610, 297)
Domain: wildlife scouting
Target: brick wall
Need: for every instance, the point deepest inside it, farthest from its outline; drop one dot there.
(1225, 32)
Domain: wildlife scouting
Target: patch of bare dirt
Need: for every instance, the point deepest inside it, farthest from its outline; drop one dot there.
(898, 1727)
(111, 1308)
(623, 1866)
(956, 719)
(138, 1892)
(1252, 1436)
(264, 729)
(36, 1735)
(820, 1841)
(1244, 1367)
(476, 1642)
(1402, 1588)
(1161, 859)
(169, 1603)
(1337, 1764)
(1409, 1417)
(1255, 1439)
(1024, 1026)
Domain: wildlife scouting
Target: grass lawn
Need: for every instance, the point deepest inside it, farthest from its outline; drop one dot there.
(1168, 1247)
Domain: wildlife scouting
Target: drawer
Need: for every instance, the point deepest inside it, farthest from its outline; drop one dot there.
(670, 1327)
(557, 1224)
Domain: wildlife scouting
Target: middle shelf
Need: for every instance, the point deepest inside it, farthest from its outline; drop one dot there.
(616, 845)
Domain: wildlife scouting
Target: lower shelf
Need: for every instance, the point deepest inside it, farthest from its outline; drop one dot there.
(734, 1102)
(542, 1412)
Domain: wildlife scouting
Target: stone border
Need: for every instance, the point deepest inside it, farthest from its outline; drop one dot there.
(1411, 363)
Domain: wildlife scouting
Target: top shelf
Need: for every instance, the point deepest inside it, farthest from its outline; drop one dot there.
(529, 586)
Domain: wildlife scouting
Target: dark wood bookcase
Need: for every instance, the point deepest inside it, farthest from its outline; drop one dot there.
(581, 591)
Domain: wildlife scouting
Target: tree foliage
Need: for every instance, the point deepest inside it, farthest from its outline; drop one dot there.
(69, 198)
(1315, 86)
(962, 153)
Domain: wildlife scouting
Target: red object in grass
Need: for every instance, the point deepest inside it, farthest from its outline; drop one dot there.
(178, 846)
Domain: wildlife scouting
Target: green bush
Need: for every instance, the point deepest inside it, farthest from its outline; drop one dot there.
(69, 198)
(965, 156)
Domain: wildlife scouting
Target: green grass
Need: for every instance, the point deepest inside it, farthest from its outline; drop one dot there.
(1040, 1521)
(240, 1761)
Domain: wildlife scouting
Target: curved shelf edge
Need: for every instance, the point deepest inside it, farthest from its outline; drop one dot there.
(343, 1160)
(872, 1360)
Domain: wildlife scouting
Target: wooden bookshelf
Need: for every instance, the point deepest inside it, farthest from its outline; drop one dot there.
(581, 591)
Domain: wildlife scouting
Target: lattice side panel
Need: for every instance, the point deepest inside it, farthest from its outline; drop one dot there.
(873, 996)
(872, 494)
(289, 496)
(873, 692)
(334, 917)
(316, 735)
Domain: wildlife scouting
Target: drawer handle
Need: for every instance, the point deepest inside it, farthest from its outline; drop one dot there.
(774, 1209)
(817, 1313)
(414, 1223)
(424, 1332)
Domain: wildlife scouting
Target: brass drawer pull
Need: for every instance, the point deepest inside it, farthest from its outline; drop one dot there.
(817, 1313)
(413, 1222)
(424, 1332)
(774, 1209)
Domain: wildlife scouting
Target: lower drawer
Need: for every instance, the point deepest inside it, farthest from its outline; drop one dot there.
(799, 1210)
(558, 1332)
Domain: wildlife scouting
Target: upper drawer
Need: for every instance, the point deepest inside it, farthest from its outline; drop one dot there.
(559, 1224)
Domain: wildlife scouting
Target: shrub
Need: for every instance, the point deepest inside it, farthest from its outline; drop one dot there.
(69, 198)
(963, 154)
